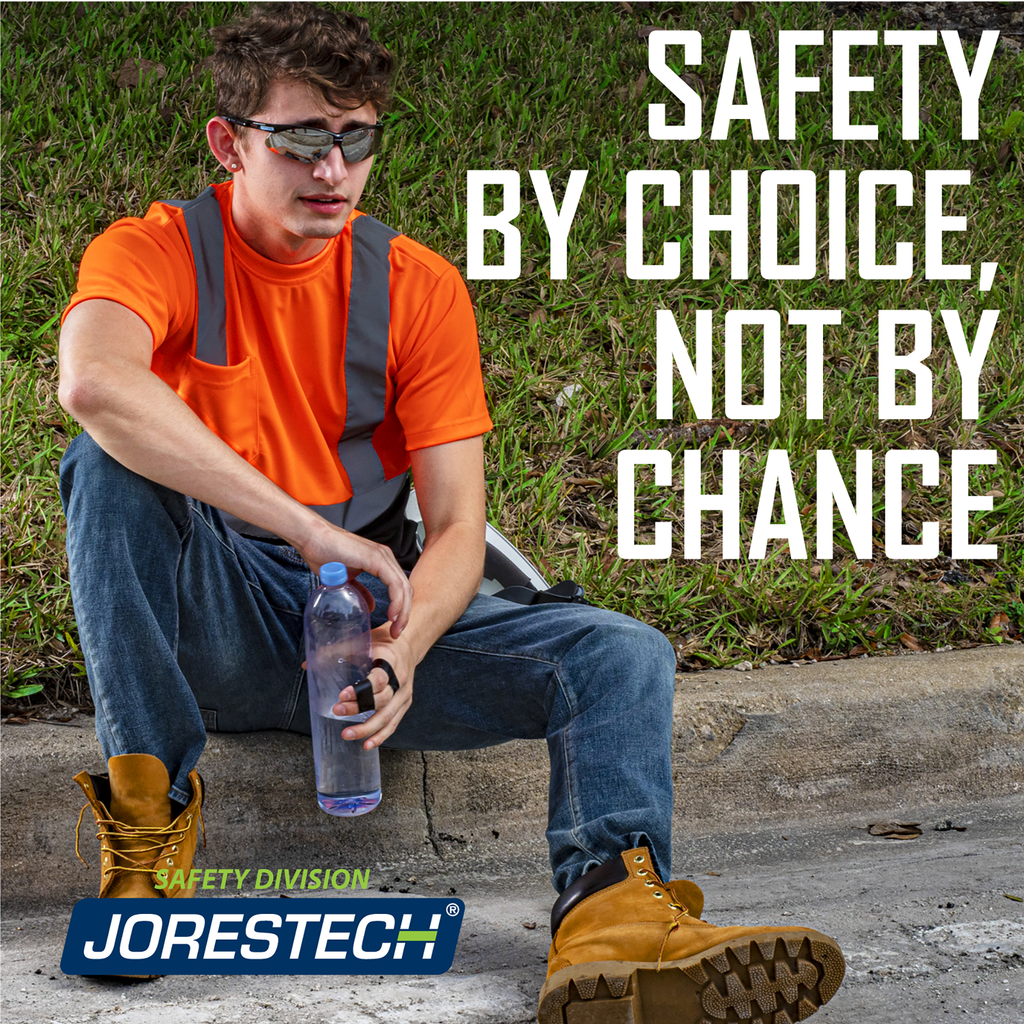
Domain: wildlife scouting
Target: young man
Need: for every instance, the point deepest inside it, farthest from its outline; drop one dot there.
(256, 371)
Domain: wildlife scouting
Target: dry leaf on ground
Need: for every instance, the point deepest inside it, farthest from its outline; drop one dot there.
(910, 642)
(892, 829)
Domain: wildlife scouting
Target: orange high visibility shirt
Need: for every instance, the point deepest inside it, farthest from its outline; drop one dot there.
(280, 402)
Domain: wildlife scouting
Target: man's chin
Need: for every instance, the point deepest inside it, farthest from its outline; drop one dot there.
(323, 227)
(323, 231)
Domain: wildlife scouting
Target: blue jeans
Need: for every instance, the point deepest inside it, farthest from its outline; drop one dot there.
(188, 626)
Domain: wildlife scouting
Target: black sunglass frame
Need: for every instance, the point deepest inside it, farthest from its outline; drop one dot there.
(337, 138)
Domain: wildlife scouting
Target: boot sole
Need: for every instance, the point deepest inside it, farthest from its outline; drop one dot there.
(768, 979)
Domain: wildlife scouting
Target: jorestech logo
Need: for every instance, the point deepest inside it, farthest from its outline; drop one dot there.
(261, 936)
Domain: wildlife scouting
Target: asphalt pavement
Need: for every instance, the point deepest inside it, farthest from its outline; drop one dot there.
(779, 773)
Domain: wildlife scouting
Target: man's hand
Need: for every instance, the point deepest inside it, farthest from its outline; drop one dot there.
(328, 543)
(391, 705)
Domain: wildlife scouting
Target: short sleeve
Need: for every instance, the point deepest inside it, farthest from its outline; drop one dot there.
(146, 266)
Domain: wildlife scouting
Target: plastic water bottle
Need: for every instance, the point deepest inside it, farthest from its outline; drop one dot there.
(337, 624)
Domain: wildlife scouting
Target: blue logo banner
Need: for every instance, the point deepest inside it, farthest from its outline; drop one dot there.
(261, 936)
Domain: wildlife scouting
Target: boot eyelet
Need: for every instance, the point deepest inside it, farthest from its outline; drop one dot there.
(174, 849)
(170, 863)
(639, 858)
(642, 871)
(657, 895)
(649, 882)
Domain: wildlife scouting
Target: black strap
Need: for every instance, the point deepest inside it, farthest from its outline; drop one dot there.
(386, 665)
(364, 688)
(566, 592)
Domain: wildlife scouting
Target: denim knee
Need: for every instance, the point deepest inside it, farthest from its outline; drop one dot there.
(659, 654)
(627, 656)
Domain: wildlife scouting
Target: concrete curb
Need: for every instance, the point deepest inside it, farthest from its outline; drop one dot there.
(748, 748)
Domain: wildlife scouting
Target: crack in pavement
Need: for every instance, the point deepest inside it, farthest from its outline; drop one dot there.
(431, 832)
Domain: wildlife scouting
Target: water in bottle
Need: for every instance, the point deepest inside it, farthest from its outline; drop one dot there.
(337, 625)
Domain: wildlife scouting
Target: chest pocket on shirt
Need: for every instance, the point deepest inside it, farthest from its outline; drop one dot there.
(226, 399)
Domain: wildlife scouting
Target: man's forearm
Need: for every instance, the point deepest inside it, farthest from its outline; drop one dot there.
(445, 579)
(143, 424)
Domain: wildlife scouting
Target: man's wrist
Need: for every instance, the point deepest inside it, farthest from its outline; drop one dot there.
(305, 531)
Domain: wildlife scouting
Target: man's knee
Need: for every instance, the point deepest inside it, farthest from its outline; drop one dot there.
(661, 652)
(630, 653)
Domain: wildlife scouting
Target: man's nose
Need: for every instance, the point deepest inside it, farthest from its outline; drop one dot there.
(331, 168)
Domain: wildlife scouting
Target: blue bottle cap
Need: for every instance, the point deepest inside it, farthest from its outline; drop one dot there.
(333, 574)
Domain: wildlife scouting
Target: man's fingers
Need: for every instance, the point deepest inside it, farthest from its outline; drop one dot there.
(376, 729)
(371, 601)
(389, 572)
(383, 722)
(382, 734)
(360, 555)
(348, 703)
(400, 592)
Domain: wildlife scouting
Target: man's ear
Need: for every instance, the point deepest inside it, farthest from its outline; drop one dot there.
(224, 144)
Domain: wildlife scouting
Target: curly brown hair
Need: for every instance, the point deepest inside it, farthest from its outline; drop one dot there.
(301, 42)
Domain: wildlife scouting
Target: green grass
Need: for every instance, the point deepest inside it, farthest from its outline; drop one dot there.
(561, 87)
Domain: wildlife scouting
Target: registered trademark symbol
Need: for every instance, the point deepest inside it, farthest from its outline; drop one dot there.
(452, 909)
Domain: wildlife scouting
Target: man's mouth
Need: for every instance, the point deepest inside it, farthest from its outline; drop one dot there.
(328, 204)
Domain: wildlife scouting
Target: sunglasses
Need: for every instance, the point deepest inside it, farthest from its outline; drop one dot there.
(312, 144)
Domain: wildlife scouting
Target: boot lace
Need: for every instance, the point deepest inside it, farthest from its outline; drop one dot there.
(681, 912)
(156, 837)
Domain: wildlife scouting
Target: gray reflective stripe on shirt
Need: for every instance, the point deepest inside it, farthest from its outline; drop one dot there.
(206, 237)
(366, 352)
(362, 509)
(366, 367)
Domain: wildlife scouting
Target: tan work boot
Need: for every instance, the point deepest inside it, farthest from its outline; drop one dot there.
(627, 948)
(137, 836)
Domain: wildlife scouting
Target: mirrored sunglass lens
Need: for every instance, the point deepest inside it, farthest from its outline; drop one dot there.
(310, 145)
(302, 144)
(358, 145)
